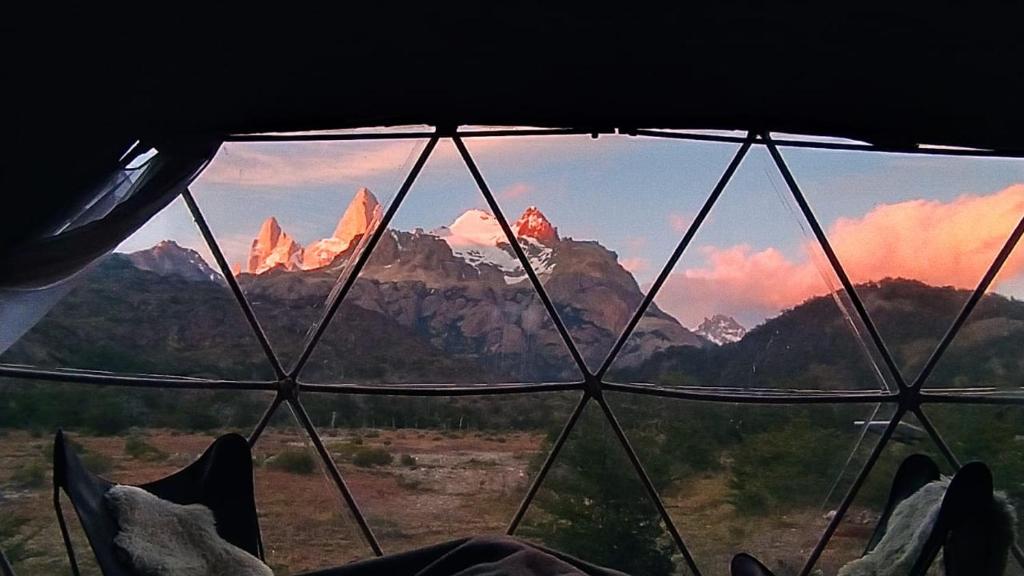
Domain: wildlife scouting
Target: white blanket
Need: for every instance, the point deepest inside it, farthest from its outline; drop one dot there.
(161, 538)
(908, 530)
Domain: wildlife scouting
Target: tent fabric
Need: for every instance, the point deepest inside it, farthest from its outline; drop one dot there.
(54, 258)
(90, 80)
(38, 272)
(480, 556)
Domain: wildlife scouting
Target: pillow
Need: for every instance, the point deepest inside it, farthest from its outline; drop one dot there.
(161, 538)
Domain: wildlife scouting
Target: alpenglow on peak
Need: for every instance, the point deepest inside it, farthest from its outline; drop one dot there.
(273, 247)
(533, 224)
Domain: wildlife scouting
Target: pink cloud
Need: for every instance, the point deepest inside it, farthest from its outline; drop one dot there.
(679, 222)
(740, 281)
(636, 243)
(326, 162)
(940, 243)
(635, 265)
(517, 190)
(303, 163)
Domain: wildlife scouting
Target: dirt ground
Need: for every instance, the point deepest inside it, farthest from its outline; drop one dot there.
(460, 484)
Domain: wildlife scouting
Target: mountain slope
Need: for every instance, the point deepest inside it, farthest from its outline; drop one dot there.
(811, 346)
(167, 258)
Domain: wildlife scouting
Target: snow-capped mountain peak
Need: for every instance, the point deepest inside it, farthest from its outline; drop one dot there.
(476, 236)
(475, 227)
(721, 329)
(533, 224)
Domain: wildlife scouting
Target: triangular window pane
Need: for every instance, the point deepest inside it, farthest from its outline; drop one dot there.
(442, 299)
(157, 305)
(609, 211)
(593, 505)
(915, 234)
(291, 217)
(732, 482)
(769, 310)
(306, 523)
(855, 529)
(429, 469)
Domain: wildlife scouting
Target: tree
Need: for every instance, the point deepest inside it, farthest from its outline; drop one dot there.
(593, 505)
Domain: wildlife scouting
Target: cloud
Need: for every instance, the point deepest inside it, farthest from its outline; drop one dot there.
(679, 222)
(517, 190)
(740, 281)
(304, 163)
(636, 243)
(297, 164)
(636, 265)
(940, 243)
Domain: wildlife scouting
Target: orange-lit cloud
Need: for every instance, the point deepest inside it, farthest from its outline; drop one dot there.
(636, 265)
(295, 164)
(740, 281)
(304, 163)
(940, 243)
(679, 222)
(517, 190)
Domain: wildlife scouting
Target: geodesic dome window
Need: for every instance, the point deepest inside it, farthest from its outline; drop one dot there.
(651, 350)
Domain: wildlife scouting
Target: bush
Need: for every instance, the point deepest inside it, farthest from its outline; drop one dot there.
(30, 476)
(409, 483)
(93, 461)
(136, 447)
(16, 538)
(293, 461)
(407, 460)
(785, 466)
(368, 457)
(97, 463)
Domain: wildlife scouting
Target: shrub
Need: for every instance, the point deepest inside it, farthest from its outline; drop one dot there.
(368, 457)
(16, 538)
(136, 447)
(96, 463)
(93, 461)
(409, 483)
(293, 461)
(764, 464)
(30, 476)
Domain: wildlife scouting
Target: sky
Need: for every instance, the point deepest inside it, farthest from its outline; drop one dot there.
(938, 219)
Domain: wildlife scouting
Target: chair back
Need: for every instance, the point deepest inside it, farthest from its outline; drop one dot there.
(221, 479)
(5, 566)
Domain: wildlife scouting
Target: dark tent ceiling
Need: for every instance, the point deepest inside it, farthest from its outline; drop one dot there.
(82, 83)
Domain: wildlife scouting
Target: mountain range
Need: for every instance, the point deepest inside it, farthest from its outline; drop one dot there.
(453, 305)
(462, 288)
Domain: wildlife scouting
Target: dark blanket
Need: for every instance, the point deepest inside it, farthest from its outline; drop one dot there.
(482, 556)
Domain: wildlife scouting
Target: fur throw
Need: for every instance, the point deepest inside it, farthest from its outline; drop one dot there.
(161, 538)
(909, 526)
